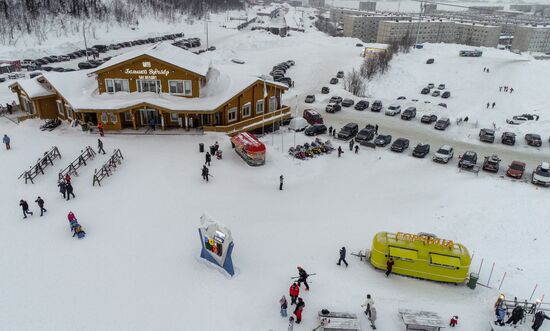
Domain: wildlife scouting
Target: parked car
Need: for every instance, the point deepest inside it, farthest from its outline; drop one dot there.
(310, 98)
(541, 175)
(520, 119)
(376, 106)
(393, 110)
(347, 102)
(85, 65)
(401, 98)
(430, 61)
(335, 99)
(58, 69)
(34, 74)
(491, 163)
(533, 139)
(47, 68)
(399, 145)
(298, 124)
(444, 105)
(425, 91)
(446, 95)
(365, 134)
(421, 150)
(315, 129)
(436, 93)
(409, 113)
(468, 160)
(487, 135)
(334, 81)
(442, 123)
(431, 86)
(382, 140)
(333, 107)
(428, 119)
(508, 138)
(516, 169)
(312, 116)
(340, 74)
(441, 87)
(362, 105)
(325, 90)
(444, 154)
(348, 131)
(64, 58)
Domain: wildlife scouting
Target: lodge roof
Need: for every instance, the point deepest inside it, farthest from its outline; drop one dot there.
(32, 88)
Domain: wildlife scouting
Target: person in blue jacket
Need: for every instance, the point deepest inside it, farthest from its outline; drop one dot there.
(6, 141)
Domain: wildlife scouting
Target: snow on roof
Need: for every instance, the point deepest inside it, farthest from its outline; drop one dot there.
(33, 88)
(165, 52)
(223, 84)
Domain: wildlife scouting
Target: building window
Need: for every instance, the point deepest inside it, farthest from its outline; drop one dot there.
(114, 118)
(272, 104)
(104, 117)
(27, 106)
(148, 85)
(60, 109)
(259, 107)
(70, 112)
(184, 87)
(117, 85)
(232, 114)
(128, 116)
(246, 109)
(174, 117)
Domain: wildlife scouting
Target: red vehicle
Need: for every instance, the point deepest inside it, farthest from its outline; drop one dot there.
(516, 169)
(312, 117)
(249, 148)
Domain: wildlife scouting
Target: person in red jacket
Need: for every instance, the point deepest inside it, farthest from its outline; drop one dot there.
(294, 292)
(298, 311)
(67, 178)
(72, 220)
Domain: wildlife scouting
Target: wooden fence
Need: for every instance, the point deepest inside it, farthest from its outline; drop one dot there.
(85, 155)
(40, 165)
(107, 169)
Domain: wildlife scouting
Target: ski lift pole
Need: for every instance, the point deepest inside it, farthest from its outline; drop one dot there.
(490, 274)
(502, 281)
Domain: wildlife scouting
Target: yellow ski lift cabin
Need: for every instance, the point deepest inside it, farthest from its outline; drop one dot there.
(422, 256)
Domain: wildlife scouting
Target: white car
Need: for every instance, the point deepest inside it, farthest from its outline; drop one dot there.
(541, 175)
(393, 110)
(444, 154)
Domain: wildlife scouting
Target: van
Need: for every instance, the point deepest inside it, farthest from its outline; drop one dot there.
(312, 116)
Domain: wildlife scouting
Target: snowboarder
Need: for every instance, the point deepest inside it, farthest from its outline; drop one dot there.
(40, 203)
(389, 266)
(340, 151)
(511, 89)
(368, 305)
(302, 278)
(330, 130)
(6, 141)
(291, 323)
(298, 311)
(208, 158)
(342, 256)
(294, 292)
(281, 178)
(376, 129)
(501, 313)
(70, 191)
(517, 315)
(454, 321)
(488, 104)
(25, 207)
(79, 232)
(62, 188)
(539, 319)
(284, 306)
(351, 143)
(100, 128)
(372, 317)
(493, 105)
(100, 146)
(356, 149)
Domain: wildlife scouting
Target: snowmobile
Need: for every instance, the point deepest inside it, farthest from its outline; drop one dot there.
(50, 124)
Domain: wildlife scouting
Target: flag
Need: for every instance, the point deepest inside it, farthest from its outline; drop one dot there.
(265, 90)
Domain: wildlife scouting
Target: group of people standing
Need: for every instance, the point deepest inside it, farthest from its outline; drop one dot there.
(295, 299)
(505, 89)
(205, 171)
(66, 187)
(518, 313)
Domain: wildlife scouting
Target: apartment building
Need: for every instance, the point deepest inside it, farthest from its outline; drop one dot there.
(367, 6)
(532, 39)
(316, 3)
(427, 31)
(476, 34)
(366, 27)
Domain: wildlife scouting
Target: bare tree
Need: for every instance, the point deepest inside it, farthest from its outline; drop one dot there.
(370, 66)
(354, 83)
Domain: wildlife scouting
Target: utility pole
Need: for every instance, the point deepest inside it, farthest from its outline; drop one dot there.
(85, 42)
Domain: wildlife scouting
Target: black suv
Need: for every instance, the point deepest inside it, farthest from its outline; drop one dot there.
(334, 81)
(315, 129)
(382, 140)
(533, 140)
(508, 138)
(347, 103)
(376, 105)
(428, 119)
(348, 131)
(400, 144)
(487, 135)
(442, 123)
(325, 90)
(365, 134)
(468, 160)
(409, 113)
(362, 105)
(425, 91)
(336, 99)
(421, 150)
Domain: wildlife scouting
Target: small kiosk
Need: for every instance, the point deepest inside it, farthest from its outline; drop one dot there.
(217, 244)
(249, 148)
(421, 256)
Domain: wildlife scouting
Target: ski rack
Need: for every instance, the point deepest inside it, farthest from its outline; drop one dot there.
(85, 155)
(107, 169)
(40, 165)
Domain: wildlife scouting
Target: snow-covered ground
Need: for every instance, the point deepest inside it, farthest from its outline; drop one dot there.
(137, 269)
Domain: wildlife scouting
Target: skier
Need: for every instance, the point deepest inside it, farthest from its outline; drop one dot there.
(376, 129)
(493, 104)
(342, 257)
(372, 317)
(62, 188)
(208, 158)
(356, 149)
(100, 146)
(70, 191)
(533, 307)
(517, 315)
(501, 313)
(303, 275)
(25, 207)
(284, 305)
(487, 70)
(281, 178)
(484, 69)
(511, 89)
(6, 141)
(454, 321)
(340, 151)
(298, 311)
(539, 319)
(389, 266)
(294, 292)
(330, 131)
(488, 104)
(79, 232)
(40, 203)
(291, 323)
(466, 119)
(505, 88)
(100, 128)
(351, 143)
(368, 305)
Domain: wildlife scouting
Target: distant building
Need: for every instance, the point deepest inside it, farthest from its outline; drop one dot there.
(476, 34)
(532, 39)
(427, 31)
(366, 27)
(367, 5)
(485, 9)
(430, 8)
(316, 3)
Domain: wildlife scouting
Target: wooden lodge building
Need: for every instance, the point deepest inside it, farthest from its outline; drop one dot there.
(159, 85)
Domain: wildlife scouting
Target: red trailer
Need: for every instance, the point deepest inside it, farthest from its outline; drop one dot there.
(249, 148)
